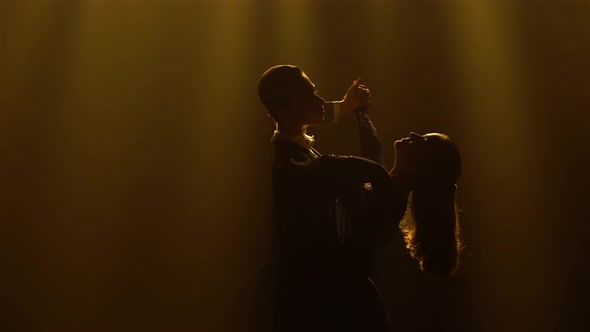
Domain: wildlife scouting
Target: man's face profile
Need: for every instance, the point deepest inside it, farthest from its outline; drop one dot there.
(307, 106)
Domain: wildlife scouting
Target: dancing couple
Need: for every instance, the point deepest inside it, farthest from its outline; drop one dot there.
(334, 214)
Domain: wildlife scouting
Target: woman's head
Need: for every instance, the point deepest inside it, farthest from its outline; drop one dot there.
(432, 157)
(431, 225)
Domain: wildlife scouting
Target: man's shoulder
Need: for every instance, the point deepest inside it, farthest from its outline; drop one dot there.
(286, 150)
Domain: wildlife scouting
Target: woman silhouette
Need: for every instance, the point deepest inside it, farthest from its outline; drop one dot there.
(427, 167)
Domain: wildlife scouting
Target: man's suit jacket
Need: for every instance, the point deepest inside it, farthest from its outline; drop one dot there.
(328, 209)
(300, 185)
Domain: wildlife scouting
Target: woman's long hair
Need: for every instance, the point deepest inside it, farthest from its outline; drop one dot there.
(431, 223)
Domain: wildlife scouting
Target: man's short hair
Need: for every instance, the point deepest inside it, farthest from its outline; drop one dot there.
(275, 86)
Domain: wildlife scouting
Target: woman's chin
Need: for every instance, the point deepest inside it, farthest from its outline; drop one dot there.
(399, 146)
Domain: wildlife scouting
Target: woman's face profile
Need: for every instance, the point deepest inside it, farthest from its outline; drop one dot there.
(423, 153)
(415, 147)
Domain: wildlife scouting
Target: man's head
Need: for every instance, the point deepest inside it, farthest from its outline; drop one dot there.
(290, 96)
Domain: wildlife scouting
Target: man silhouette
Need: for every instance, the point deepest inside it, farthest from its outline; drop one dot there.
(294, 104)
(315, 282)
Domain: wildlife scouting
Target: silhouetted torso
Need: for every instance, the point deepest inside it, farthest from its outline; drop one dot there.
(329, 211)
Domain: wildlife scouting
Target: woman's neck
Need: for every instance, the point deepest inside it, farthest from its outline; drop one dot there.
(404, 181)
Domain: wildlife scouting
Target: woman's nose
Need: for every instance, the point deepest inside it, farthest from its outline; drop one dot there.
(414, 135)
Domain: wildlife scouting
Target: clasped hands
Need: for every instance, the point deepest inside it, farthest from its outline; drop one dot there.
(356, 96)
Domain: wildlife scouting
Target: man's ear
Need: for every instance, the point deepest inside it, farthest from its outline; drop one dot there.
(283, 115)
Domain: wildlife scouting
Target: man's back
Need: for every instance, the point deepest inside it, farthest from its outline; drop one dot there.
(319, 277)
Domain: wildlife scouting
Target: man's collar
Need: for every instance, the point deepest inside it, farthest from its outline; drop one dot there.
(304, 140)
